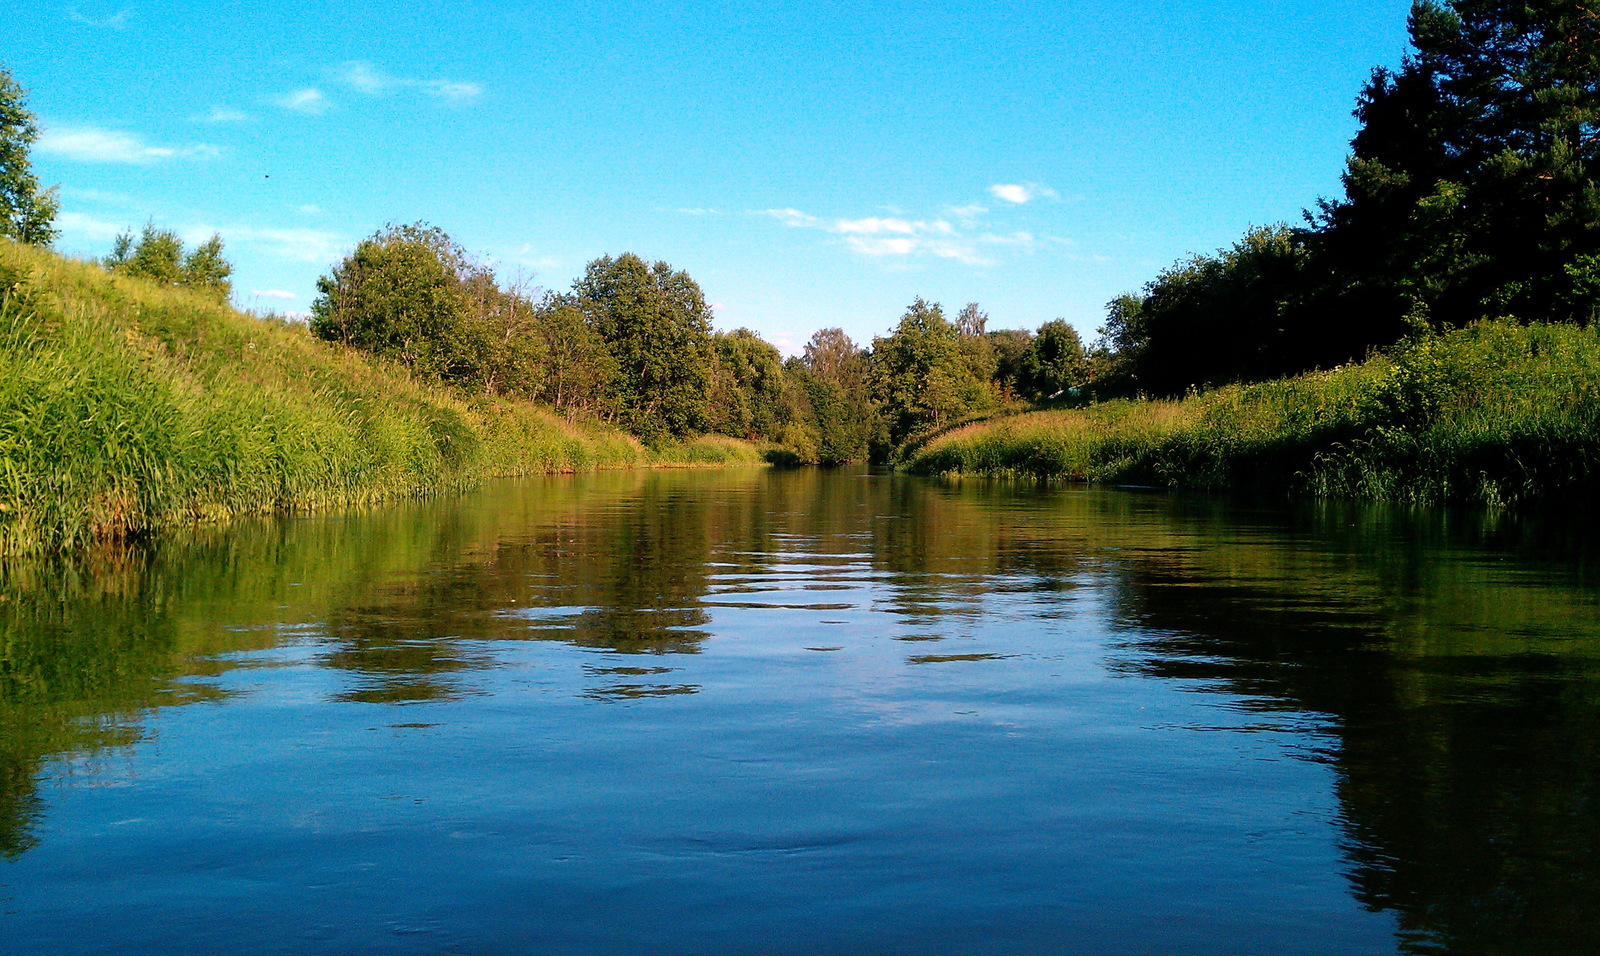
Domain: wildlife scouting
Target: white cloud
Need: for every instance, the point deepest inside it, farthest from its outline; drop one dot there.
(273, 294)
(75, 225)
(873, 225)
(88, 144)
(1019, 193)
(362, 78)
(528, 257)
(452, 90)
(115, 21)
(1023, 240)
(295, 245)
(309, 209)
(309, 100)
(792, 217)
(1011, 193)
(972, 211)
(880, 237)
(698, 212)
(223, 114)
(871, 246)
(367, 79)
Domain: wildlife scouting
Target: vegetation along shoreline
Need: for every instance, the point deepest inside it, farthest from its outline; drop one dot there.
(1430, 336)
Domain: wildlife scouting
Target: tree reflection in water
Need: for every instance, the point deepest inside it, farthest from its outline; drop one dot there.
(1446, 665)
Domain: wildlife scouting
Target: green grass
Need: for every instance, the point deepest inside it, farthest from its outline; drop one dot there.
(1496, 413)
(126, 408)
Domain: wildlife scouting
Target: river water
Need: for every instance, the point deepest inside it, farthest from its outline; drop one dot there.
(753, 711)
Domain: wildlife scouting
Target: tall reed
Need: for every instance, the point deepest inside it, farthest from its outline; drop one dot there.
(1497, 413)
(126, 407)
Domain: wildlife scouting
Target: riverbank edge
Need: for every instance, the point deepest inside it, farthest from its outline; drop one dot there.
(127, 408)
(1497, 413)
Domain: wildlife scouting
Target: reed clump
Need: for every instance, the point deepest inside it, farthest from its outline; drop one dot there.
(1496, 413)
(126, 407)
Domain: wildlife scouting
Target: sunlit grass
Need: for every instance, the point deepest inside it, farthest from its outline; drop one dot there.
(1496, 413)
(126, 407)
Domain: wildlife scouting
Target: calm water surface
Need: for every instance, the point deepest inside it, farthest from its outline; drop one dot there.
(808, 712)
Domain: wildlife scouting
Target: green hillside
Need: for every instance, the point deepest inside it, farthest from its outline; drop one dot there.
(126, 407)
(1495, 413)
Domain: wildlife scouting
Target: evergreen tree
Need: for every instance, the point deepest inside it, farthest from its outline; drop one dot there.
(27, 213)
(1472, 186)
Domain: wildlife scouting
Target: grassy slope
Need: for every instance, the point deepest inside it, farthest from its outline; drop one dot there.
(1495, 413)
(125, 407)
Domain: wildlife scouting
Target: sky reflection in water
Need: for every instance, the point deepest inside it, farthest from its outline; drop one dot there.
(802, 711)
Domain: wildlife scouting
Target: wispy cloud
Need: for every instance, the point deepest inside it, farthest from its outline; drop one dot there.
(273, 294)
(98, 196)
(294, 245)
(76, 225)
(115, 21)
(697, 212)
(89, 144)
(308, 100)
(367, 79)
(1019, 193)
(792, 217)
(882, 237)
(451, 90)
(527, 256)
(904, 238)
(222, 114)
(1023, 240)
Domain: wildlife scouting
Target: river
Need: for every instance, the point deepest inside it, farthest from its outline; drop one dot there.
(761, 711)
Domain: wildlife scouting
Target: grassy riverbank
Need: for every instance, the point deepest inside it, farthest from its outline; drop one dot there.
(1495, 413)
(126, 407)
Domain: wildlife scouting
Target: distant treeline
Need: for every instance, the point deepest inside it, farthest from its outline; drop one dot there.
(1471, 193)
(631, 344)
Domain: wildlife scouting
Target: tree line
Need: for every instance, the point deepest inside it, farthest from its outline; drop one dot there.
(1470, 192)
(631, 344)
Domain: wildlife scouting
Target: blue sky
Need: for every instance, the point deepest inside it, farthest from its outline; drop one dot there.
(811, 165)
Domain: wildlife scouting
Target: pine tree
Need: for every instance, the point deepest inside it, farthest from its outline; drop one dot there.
(1472, 186)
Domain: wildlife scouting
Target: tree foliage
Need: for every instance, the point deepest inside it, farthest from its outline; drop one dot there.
(833, 373)
(158, 256)
(746, 385)
(1472, 190)
(655, 322)
(579, 373)
(1218, 318)
(1472, 186)
(403, 293)
(27, 213)
(919, 376)
(1053, 362)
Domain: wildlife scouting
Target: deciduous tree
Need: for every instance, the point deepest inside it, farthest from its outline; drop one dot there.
(27, 213)
(656, 324)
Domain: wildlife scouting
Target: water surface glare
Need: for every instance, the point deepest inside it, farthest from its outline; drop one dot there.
(809, 711)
